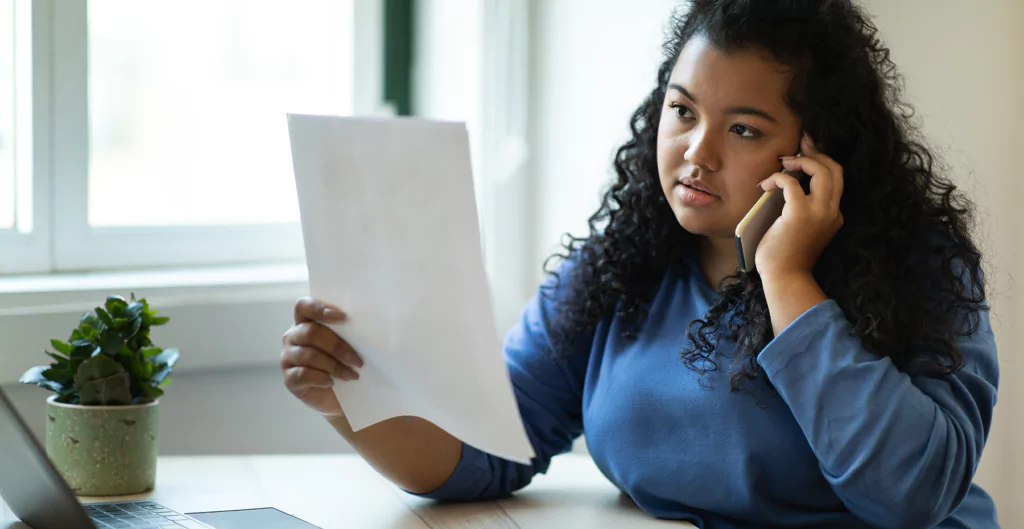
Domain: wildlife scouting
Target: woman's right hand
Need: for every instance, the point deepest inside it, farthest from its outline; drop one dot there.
(412, 452)
(313, 356)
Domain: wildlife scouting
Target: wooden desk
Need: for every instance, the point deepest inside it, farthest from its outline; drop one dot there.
(342, 491)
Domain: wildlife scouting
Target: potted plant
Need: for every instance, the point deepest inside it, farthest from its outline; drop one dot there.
(101, 428)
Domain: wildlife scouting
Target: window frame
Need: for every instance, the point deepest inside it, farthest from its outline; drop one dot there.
(60, 131)
(29, 250)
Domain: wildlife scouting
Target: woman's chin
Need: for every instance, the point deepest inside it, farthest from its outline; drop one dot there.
(699, 223)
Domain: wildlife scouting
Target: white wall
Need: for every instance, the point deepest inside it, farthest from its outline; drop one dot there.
(964, 65)
(220, 411)
(227, 395)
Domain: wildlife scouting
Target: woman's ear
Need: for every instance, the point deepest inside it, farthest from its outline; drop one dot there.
(816, 143)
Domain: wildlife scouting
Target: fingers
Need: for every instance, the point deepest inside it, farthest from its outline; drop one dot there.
(810, 149)
(314, 356)
(311, 309)
(298, 379)
(821, 177)
(300, 356)
(791, 189)
(317, 336)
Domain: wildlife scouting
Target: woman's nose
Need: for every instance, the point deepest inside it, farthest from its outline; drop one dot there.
(702, 152)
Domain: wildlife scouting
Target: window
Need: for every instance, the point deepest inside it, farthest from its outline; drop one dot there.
(153, 135)
(191, 108)
(158, 131)
(24, 239)
(7, 188)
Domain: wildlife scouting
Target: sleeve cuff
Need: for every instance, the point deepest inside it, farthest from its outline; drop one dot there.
(796, 338)
(466, 480)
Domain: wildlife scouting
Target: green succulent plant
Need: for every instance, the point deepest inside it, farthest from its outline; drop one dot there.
(109, 359)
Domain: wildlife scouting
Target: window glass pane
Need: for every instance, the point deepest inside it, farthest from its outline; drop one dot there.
(187, 104)
(7, 114)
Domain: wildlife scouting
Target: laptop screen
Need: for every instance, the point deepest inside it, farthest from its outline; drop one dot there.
(29, 484)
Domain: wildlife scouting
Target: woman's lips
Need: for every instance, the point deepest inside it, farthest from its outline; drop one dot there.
(698, 184)
(693, 196)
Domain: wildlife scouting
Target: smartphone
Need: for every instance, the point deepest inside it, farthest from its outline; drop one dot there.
(756, 222)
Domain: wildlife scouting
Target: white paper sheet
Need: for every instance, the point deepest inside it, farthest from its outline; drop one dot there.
(391, 235)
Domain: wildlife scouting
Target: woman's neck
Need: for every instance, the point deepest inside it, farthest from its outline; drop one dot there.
(718, 259)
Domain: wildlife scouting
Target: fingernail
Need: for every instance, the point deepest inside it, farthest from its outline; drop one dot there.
(787, 157)
(357, 361)
(332, 313)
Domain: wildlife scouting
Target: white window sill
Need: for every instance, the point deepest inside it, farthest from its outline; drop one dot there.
(58, 293)
(221, 318)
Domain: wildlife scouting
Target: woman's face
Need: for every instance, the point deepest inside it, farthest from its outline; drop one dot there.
(724, 125)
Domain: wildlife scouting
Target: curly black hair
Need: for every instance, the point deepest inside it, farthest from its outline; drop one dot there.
(904, 269)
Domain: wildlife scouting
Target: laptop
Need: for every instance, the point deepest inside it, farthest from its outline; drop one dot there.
(39, 496)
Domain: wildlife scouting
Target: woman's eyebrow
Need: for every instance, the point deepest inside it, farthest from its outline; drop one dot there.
(744, 110)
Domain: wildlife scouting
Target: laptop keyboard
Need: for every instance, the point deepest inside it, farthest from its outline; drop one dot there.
(145, 514)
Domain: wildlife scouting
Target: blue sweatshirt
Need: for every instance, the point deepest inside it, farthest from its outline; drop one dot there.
(844, 439)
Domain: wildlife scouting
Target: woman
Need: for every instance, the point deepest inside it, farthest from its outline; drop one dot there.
(848, 382)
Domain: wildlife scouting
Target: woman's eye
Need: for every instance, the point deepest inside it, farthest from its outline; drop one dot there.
(681, 111)
(745, 132)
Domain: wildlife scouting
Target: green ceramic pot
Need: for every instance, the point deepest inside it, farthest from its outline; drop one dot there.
(103, 450)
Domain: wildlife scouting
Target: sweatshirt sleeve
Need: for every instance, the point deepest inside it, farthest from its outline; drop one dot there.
(898, 450)
(549, 391)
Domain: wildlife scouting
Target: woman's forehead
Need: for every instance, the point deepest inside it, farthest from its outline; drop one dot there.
(717, 78)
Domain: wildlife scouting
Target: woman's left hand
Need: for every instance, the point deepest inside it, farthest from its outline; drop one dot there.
(808, 222)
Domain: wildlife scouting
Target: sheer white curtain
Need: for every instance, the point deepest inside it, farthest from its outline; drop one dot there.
(508, 219)
(471, 65)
